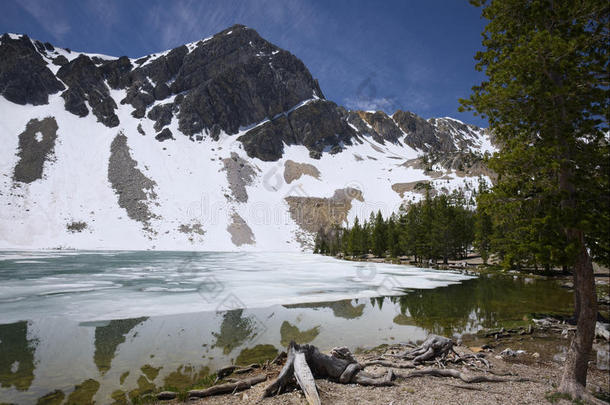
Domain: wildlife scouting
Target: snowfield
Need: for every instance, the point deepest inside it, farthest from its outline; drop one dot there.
(191, 184)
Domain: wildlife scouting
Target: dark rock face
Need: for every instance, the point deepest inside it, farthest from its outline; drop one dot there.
(162, 114)
(226, 83)
(117, 72)
(420, 133)
(266, 141)
(36, 145)
(60, 60)
(449, 129)
(163, 68)
(319, 125)
(86, 83)
(164, 135)
(439, 135)
(232, 80)
(24, 75)
(383, 127)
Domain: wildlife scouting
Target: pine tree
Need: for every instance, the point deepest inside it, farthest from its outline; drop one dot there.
(547, 99)
(378, 237)
(355, 239)
(393, 240)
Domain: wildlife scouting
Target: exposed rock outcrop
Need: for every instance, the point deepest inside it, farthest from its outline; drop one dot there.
(195, 228)
(231, 80)
(419, 186)
(420, 133)
(134, 189)
(293, 171)
(36, 145)
(314, 213)
(86, 83)
(164, 135)
(24, 75)
(162, 114)
(318, 125)
(384, 128)
(241, 234)
(239, 175)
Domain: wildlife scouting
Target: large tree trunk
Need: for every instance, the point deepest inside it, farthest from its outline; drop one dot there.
(574, 379)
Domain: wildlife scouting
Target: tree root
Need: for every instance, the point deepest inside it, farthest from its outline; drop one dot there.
(467, 378)
(228, 370)
(389, 364)
(226, 388)
(305, 362)
(433, 347)
(578, 392)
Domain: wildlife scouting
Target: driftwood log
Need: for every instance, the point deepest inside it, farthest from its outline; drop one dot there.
(305, 362)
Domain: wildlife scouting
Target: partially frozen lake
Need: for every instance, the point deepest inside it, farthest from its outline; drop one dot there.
(120, 322)
(86, 286)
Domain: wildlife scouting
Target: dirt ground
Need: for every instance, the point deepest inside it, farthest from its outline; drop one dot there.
(541, 363)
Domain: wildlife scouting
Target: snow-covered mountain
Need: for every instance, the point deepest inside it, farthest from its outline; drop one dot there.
(222, 144)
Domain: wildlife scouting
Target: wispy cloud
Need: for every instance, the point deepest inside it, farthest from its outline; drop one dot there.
(52, 22)
(370, 104)
(104, 11)
(183, 21)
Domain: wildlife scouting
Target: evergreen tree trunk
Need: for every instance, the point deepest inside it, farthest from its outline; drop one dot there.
(574, 379)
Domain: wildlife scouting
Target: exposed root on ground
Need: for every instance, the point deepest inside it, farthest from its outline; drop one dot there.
(467, 378)
(578, 392)
(305, 363)
(433, 347)
(226, 388)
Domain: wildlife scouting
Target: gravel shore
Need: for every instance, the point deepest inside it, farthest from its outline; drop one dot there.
(541, 363)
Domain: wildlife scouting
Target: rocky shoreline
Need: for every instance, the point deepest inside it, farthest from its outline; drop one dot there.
(530, 357)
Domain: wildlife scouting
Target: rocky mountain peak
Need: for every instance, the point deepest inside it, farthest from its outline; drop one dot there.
(220, 143)
(226, 83)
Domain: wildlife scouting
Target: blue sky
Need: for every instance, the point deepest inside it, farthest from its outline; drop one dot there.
(411, 54)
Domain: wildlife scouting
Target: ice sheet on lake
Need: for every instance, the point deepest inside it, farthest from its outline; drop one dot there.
(86, 286)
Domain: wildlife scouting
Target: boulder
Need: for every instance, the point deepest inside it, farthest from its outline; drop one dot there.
(164, 135)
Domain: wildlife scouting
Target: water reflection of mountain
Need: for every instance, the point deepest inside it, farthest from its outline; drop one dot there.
(235, 329)
(109, 337)
(342, 309)
(83, 393)
(16, 356)
(256, 355)
(290, 332)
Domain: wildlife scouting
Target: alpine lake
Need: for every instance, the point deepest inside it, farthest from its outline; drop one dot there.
(83, 326)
